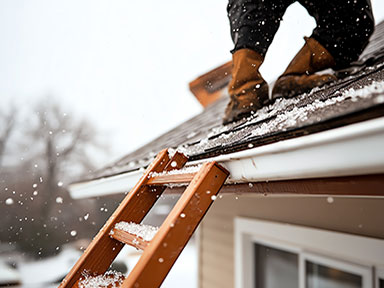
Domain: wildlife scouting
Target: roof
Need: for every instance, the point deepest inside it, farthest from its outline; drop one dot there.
(356, 100)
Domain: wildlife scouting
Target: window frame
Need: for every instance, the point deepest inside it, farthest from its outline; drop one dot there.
(341, 249)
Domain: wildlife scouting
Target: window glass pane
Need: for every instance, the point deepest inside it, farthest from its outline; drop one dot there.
(319, 276)
(275, 268)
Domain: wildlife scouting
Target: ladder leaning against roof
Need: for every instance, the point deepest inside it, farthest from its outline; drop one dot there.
(160, 253)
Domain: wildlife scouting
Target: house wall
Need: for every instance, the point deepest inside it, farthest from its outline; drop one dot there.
(216, 239)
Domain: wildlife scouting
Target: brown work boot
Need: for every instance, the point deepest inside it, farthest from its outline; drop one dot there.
(300, 77)
(248, 91)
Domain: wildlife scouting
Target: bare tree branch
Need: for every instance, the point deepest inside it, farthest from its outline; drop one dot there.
(7, 123)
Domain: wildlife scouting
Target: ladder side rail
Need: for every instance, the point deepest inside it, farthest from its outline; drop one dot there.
(164, 249)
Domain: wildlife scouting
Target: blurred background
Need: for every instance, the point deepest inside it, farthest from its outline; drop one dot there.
(84, 82)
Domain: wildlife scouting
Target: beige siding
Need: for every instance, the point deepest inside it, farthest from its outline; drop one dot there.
(350, 215)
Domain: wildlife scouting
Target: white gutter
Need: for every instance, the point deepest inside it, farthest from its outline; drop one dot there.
(105, 186)
(356, 149)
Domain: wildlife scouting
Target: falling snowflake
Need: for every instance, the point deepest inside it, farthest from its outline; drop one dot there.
(9, 201)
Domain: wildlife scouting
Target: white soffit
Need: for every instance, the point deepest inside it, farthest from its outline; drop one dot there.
(355, 149)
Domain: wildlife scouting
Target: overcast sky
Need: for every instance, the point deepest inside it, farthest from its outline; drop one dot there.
(126, 65)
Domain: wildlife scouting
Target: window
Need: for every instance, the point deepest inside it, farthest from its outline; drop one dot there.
(270, 262)
(380, 277)
(323, 276)
(271, 255)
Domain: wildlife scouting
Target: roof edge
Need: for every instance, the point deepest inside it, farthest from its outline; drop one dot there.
(350, 150)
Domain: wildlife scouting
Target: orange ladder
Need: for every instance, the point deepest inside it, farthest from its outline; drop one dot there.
(160, 253)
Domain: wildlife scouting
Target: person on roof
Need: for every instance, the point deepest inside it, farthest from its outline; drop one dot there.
(342, 32)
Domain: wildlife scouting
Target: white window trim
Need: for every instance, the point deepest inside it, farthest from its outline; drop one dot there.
(307, 242)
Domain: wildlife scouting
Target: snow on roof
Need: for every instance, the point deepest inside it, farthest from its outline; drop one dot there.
(283, 119)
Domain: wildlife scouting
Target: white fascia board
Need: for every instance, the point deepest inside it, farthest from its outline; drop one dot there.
(356, 149)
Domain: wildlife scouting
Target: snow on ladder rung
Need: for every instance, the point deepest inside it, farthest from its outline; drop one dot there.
(171, 179)
(177, 176)
(108, 279)
(136, 235)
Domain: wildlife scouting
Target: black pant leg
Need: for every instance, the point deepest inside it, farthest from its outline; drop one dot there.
(254, 22)
(343, 27)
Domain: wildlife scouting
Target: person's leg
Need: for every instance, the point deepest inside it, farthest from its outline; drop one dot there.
(253, 25)
(343, 27)
(342, 32)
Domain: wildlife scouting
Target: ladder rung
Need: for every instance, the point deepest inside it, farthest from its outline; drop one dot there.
(171, 179)
(128, 238)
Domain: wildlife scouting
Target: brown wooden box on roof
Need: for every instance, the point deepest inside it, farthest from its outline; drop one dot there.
(209, 87)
